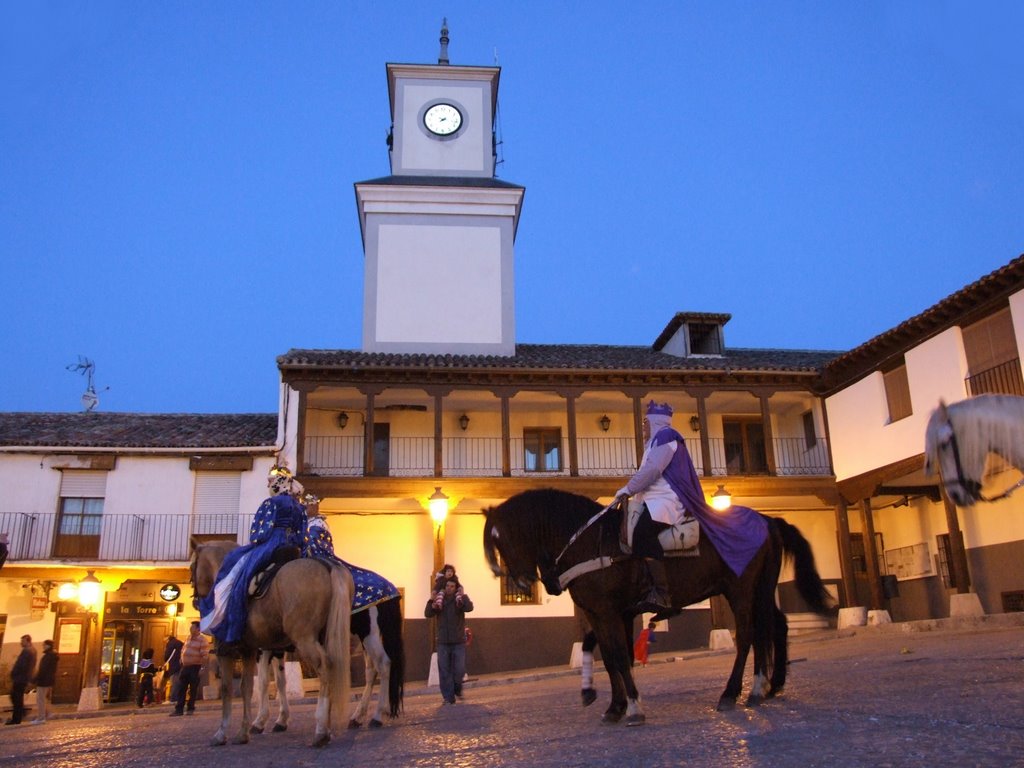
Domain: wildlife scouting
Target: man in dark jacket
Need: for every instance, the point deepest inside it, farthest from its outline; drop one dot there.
(45, 677)
(21, 674)
(450, 608)
(172, 666)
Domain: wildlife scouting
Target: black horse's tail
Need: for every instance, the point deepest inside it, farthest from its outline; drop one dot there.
(808, 580)
(389, 619)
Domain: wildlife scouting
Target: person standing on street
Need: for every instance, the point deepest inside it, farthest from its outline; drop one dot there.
(21, 674)
(194, 654)
(45, 677)
(172, 666)
(450, 608)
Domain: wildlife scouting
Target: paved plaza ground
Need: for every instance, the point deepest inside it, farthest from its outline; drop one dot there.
(920, 694)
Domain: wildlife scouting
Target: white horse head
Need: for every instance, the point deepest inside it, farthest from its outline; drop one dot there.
(959, 438)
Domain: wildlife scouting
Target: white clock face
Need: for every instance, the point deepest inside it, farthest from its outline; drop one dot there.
(442, 119)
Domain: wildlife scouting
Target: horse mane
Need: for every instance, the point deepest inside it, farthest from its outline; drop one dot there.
(550, 515)
(984, 424)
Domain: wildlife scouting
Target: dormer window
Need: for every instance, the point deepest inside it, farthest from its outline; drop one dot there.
(693, 333)
(705, 338)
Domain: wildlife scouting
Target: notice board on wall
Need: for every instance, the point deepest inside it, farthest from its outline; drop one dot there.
(908, 562)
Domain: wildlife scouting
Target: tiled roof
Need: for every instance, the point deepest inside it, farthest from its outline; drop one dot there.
(567, 357)
(960, 308)
(138, 430)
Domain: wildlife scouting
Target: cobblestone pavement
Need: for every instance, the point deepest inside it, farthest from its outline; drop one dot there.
(867, 697)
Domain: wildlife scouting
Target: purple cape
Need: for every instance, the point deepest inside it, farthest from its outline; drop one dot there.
(737, 533)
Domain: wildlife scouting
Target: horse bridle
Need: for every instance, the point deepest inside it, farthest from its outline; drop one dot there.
(973, 487)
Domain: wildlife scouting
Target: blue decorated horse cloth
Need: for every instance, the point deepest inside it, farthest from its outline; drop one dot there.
(279, 521)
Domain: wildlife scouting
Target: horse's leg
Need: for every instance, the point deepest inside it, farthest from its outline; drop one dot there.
(377, 659)
(363, 704)
(780, 654)
(263, 691)
(284, 711)
(611, 633)
(727, 700)
(248, 672)
(314, 652)
(225, 670)
(588, 693)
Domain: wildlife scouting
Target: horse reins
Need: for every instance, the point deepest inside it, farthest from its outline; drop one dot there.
(582, 529)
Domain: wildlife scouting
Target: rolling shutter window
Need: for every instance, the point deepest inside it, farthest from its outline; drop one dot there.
(83, 484)
(216, 503)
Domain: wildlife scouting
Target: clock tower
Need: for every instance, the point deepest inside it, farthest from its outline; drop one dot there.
(438, 233)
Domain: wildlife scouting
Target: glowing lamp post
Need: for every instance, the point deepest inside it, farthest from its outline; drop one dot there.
(90, 596)
(721, 499)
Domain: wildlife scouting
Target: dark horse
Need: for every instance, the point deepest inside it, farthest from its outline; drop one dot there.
(531, 529)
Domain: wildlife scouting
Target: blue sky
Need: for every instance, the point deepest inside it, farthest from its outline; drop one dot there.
(176, 196)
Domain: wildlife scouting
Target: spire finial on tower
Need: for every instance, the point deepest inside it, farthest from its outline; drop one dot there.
(443, 57)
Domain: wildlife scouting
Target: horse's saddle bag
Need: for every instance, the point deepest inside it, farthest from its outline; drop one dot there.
(679, 540)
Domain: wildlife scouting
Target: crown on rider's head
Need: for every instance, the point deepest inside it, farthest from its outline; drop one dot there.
(658, 409)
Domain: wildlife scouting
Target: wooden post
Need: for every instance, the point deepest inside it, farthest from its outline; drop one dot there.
(871, 555)
(845, 554)
(956, 543)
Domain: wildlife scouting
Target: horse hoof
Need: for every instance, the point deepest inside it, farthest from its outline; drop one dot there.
(353, 724)
(218, 741)
(754, 701)
(635, 720)
(240, 739)
(610, 718)
(255, 729)
(376, 724)
(278, 728)
(589, 696)
(322, 740)
(726, 705)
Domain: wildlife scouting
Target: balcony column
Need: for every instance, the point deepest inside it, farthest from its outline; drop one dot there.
(705, 440)
(871, 555)
(368, 437)
(845, 554)
(570, 418)
(638, 427)
(766, 425)
(506, 437)
(438, 434)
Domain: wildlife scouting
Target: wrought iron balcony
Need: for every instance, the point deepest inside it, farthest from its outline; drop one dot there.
(35, 536)
(342, 456)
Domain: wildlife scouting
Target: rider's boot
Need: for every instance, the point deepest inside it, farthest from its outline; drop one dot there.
(657, 599)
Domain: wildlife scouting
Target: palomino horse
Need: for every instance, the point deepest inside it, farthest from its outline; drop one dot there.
(308, 606)
(959, 438)
(379, 629)
(531, 529)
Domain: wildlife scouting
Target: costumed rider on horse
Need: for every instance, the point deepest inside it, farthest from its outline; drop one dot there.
(277, 535)
(370, 588)
(655, 505)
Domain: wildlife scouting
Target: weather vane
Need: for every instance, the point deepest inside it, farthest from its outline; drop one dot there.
(87, 368)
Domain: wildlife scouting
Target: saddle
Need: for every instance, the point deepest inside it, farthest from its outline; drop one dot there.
(260, 583)
(679, 540)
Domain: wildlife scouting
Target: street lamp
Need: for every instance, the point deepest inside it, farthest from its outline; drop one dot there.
(721, 499)
(90, 596)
